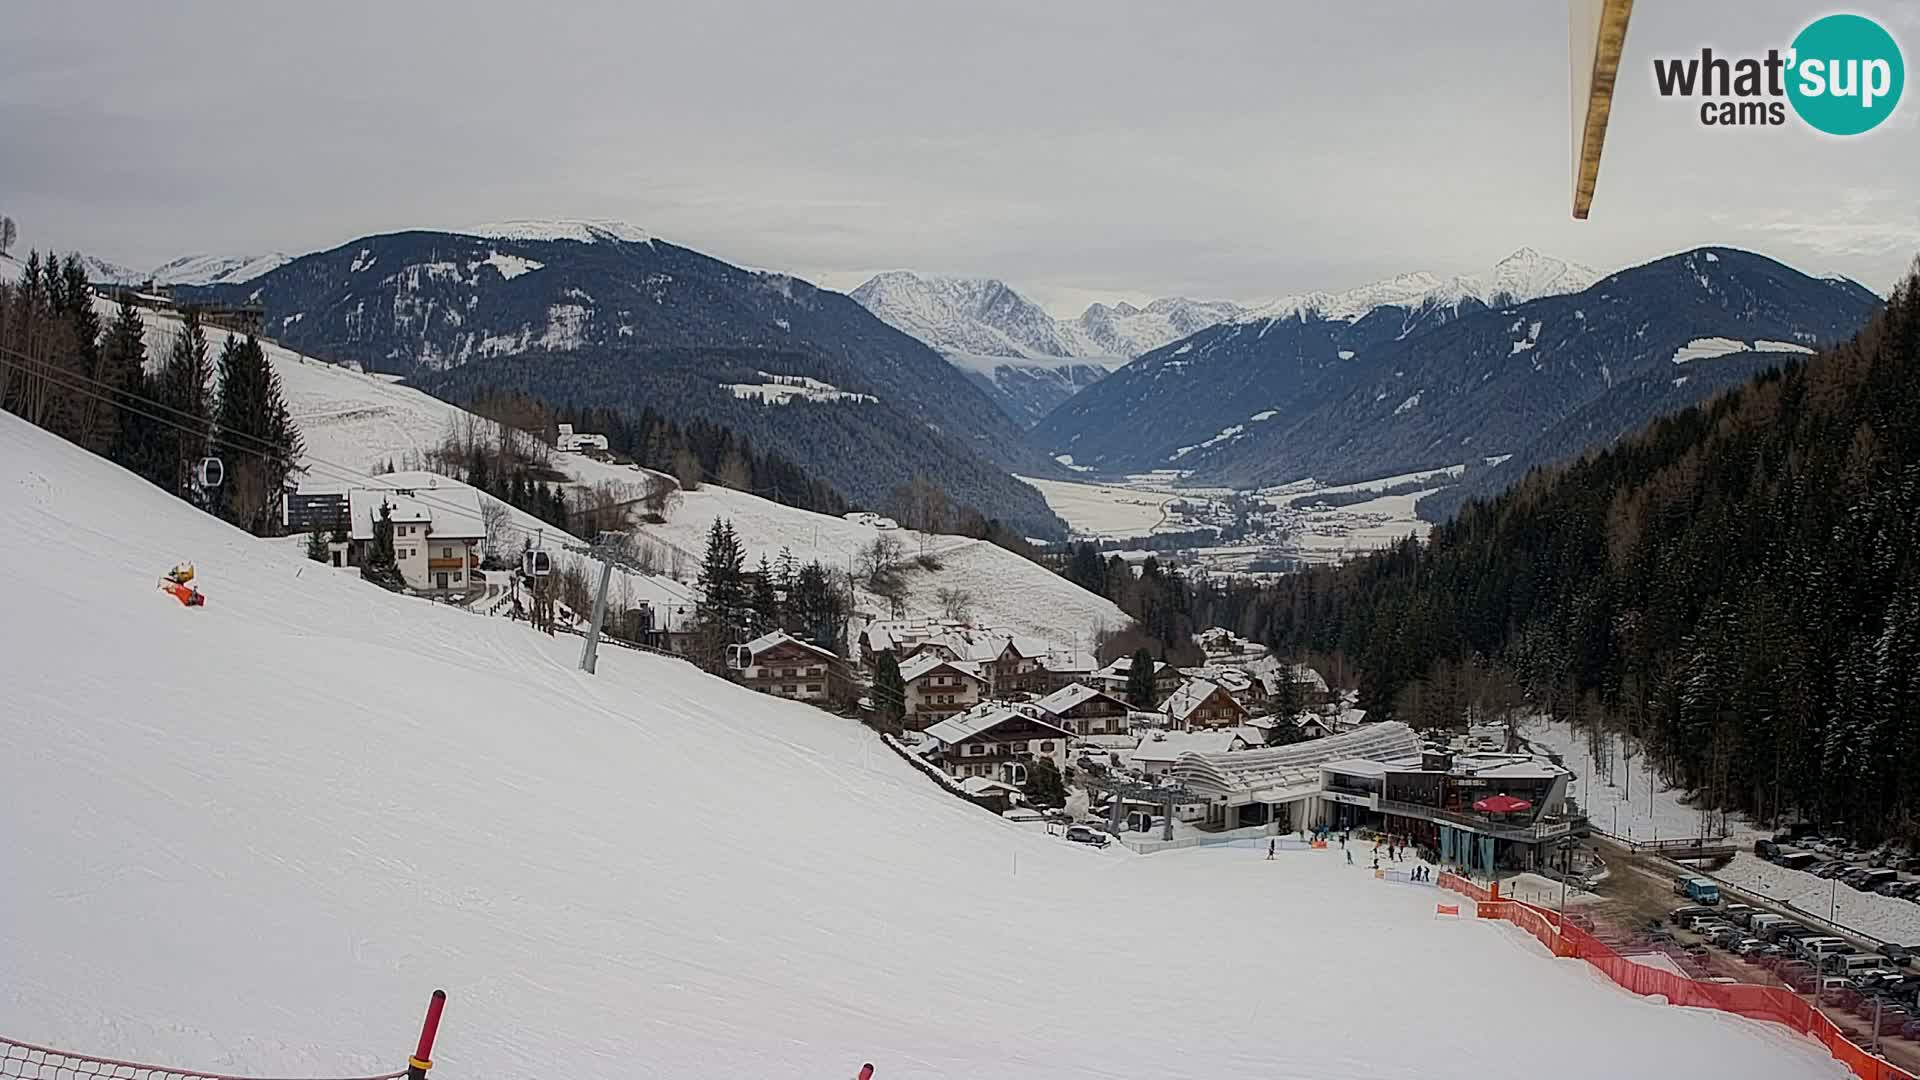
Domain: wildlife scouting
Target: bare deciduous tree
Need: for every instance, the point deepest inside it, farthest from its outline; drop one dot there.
(8, 233)
(955, 604)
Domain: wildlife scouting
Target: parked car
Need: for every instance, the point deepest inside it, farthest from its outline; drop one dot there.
(1897, 954)
(1797, 860)
(1911, 1030)
(1739, 914)
(1747, 946)
(1086, 834)
(1766, 849)
(1828, 869)
(1894, 1020)
(1679, 916)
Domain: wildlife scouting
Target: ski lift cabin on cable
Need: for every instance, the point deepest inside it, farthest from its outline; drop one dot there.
(210, 472)
(536, 563)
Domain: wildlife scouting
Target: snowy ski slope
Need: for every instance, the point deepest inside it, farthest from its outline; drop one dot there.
(354, 423)
(251, 837)
(1008, 592)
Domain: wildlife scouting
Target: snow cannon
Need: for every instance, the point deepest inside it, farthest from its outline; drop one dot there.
(181, 573)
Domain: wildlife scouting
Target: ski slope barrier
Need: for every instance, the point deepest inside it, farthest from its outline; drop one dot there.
(1772, 1004)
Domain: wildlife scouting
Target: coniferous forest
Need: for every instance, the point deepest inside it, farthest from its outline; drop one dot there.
(1736, 589)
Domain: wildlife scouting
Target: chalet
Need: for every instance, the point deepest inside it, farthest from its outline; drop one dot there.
(938, 687)
(1011, 671)
(1085, 711)
(1313, 725)
(1202, 704)
(437, 529)
(784, 666)
(1242, 686)
(996, 741)
(1113, 678)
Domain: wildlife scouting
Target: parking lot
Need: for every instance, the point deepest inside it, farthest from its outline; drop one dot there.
(1637, 916)
(1886, 871)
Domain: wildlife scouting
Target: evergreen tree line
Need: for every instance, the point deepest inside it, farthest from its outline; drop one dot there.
(1164, 603)
(737, 604)
(1735, 591)
(62, 371)
(700, 451)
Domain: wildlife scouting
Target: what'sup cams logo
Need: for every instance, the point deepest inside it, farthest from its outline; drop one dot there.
(1842, 75)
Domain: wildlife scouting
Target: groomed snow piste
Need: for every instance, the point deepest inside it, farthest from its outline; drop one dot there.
(251, 837)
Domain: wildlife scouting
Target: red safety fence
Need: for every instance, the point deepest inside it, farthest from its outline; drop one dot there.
(30, 1062)
(1773, 1003)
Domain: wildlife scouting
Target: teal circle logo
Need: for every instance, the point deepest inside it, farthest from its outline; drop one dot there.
(1847, 74)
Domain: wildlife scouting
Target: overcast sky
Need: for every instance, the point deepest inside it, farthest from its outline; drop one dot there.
(1080, 151)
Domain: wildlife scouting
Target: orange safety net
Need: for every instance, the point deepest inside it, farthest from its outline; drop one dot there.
(1773, 1003)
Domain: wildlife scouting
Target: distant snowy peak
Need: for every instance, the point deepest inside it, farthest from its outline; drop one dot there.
(578, 230)
(203, 269)
(1125, 330)
(102, 271)
(977, 316)
(1524, 275)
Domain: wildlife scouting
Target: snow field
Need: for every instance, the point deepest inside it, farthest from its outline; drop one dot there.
(1881, 917)
(1663, 817)
(1008, 592)
(251, 837)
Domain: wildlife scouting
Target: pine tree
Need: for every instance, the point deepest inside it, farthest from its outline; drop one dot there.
(135, 436)
(317, 549)
(257, 433)
(722, 606)
(817, 608)
(1045, 787)
(90, 417)
(889, 691)
(380, 566)
(765, 599)
(183, 387)
(1140, 693)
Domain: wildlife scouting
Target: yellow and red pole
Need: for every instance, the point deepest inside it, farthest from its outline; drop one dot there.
(422, 1058)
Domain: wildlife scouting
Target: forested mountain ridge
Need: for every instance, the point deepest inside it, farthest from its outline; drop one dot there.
(601, 314)
(1737, 587)
(1406, 386)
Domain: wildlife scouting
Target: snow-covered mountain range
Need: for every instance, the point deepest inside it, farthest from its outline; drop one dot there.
(1414, 373)
(197, 269)
(1021, 355)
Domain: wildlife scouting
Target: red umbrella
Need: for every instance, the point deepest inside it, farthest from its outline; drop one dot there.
(1502, 804)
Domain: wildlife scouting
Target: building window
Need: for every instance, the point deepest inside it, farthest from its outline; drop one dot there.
(813, 688)
(446, 553)
(1046, 747)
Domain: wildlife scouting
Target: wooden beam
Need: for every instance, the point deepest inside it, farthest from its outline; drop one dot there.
(1598, 33)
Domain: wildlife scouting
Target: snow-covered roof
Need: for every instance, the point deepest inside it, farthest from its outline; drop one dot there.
(1193, 693)
(980, 785)
(777, 638)
(1288, 767)
(1123, 666)
(1251, 735)
(1358, 767)
(449, 508)
(1232, 678)
(1170, 746)
(927, 662)
(1074, 694)
(985, 718)
(1512, 770)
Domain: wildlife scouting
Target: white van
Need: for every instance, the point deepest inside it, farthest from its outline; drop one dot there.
(1815, 950)
(1758, 925)
(1851, 964)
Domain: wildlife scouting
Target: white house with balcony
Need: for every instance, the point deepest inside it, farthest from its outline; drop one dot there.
(437, 529)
